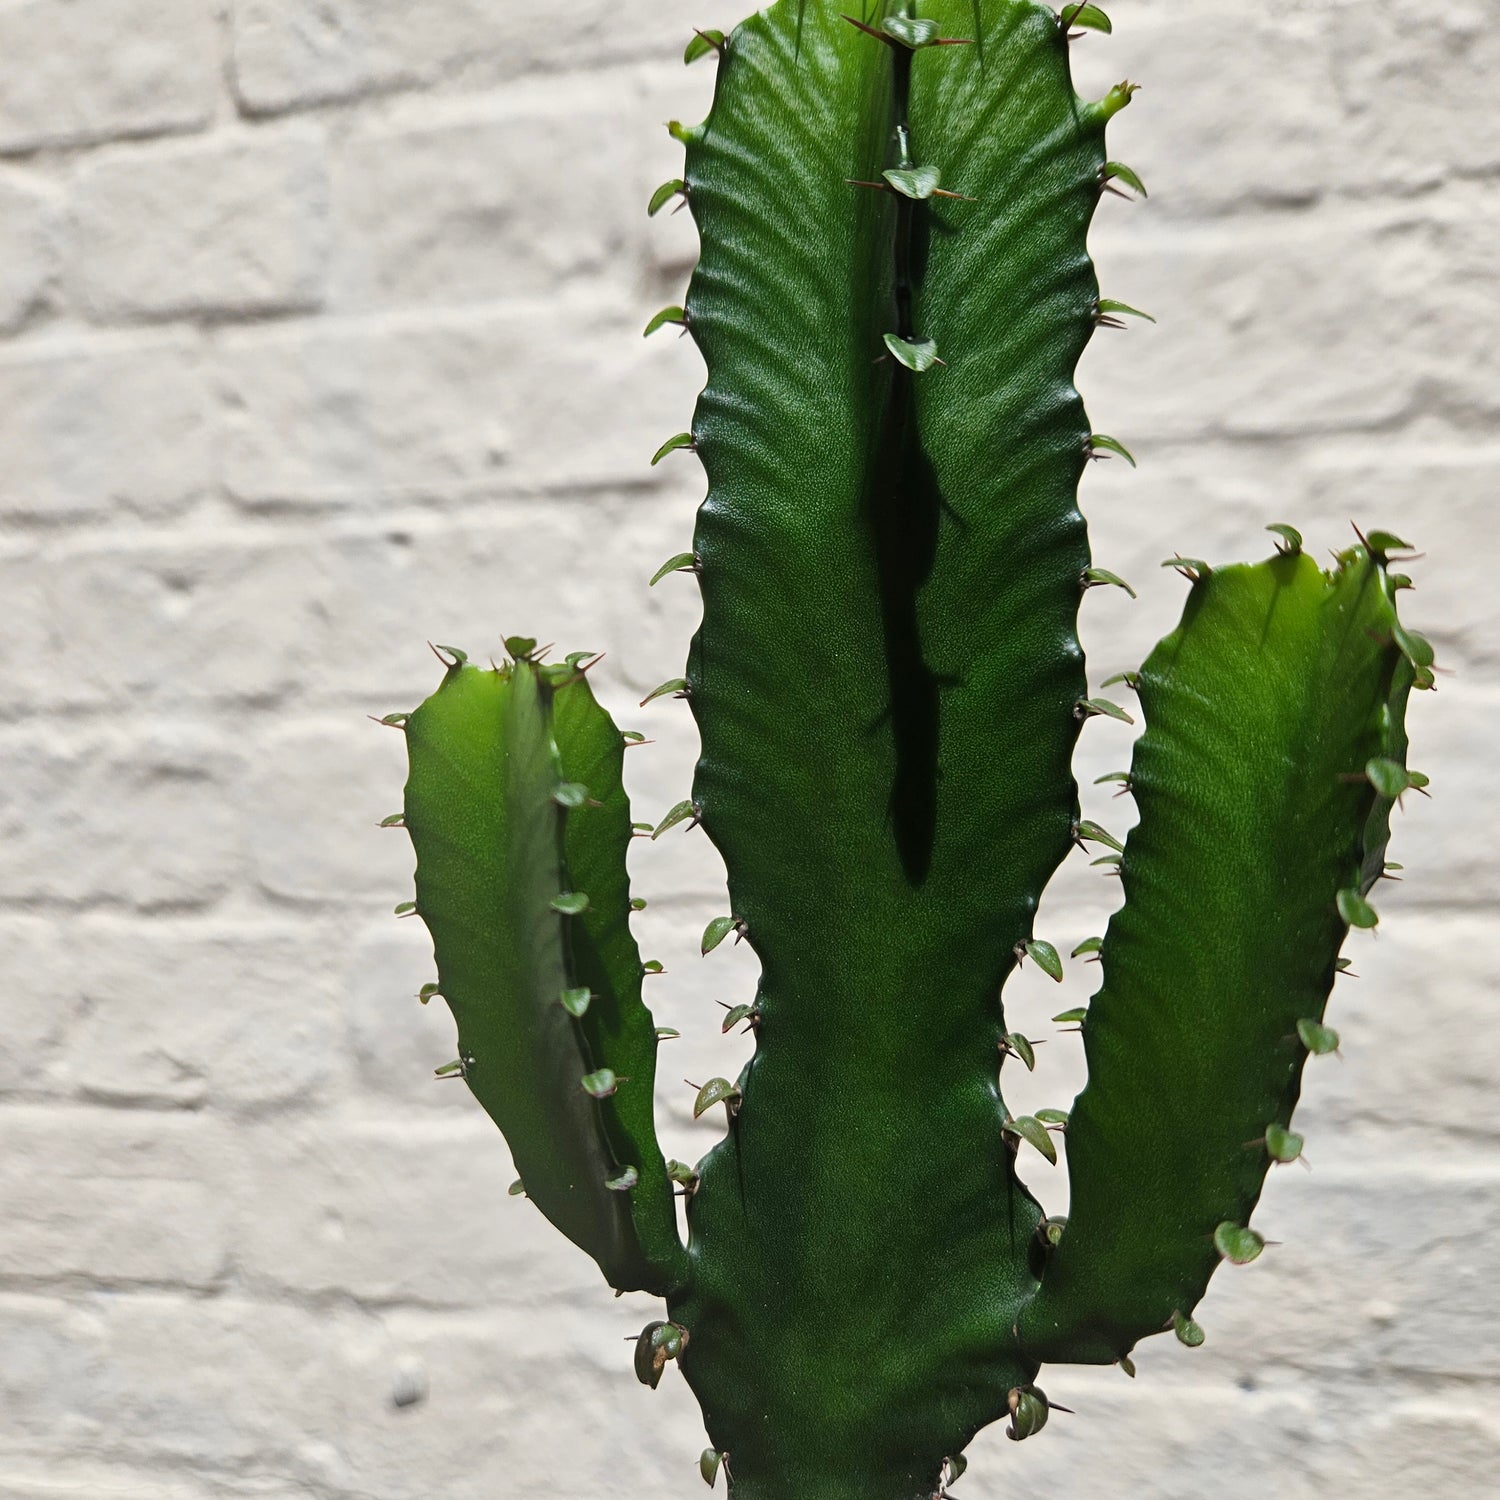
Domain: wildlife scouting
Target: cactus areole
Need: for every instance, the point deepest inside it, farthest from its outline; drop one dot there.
(893, 294)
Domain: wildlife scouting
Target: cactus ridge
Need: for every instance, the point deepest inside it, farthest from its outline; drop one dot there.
(893, 293)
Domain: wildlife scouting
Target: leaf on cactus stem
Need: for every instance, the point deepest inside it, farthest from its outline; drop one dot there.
(715, 1091)
(1057, 1117)
(1045, 957)
(1116, 99)
(1102, 708)
(1238, 1244)
(1122, 777)
(1087, 946)
(570, 904)
(667, 1034)
(648, 1366)
(673, 445)
(681, 1173)
(910, 33)
(517, 1189)
(665, 194)
(703, 43)
(396, 820)
(1109, 308)
(1087, 16)
(576, 1001)
(1356, 911)
(1101, 442)
(653, 966)
(1291, 539)
(392, 721)
(1283, 1145)
(684, 562)
(601, 1084)
(1127, 1364)
(918, 355)
(1383, 542)
(1188, 1332)
(1028, 1413)
(638, 903)
(954, 1469)
(1103, 578)
(682, 813)
(1319, 1039)
(1021, 1047)
(427, 992)
(1092, 833)
(735, 1015)
(1117, 171)
(717, 931)
(455, 1069)
(406, 908)
(624, 1182)
(1389, 777)
(665, 316)
(1031, 1130)
(684, 135)
(1054, 1228)
(919, 183)
(675, 687)
(571, 794)
(1194, 569)
(1074, 1017)
(708, 1465)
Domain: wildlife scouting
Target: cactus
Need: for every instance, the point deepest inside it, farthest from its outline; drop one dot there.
(893, 292)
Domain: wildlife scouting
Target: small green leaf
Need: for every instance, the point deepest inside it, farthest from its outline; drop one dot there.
(702, 44)
(1187, 1331)
(1102, 578)
(455, 1069)
(1102, 442)
(1192, 568)
(915, 182)
(1028, 1413)
(1132, 680)
(1088, 945)
(577, 658)
(1092, 833)
(1127, 1364)
(1416, 648)
(665, 316)
(958, 1466)
(1319, 1039)
(717, 931)
(519, 647)
(667, 1034)
(1419, 783)
(396, 820)
(673, 445)
(1356, 911)
(653, 966)
(664, 195)
(602, 1084)
(679, 814)
(1388, 777)
(1053, 1228)
(393, 721)
(517, 1189)
(1057, 1117)
(1021, 1046)
(1386, 541)
(1343, 965)
(735, 1015)
(1238, 1244)
(715, 1091)
(910, 33)
(1116, 99)
(1108, 859)
(570, 903)
(649, 1362)
(624, 1182)
(638, 903)
(1117, 171)
(571, 794)
(1045, 957)
(427, 992)
(681, 1173)
(1123, 777)
(1089, 708)
(460, 658)
(1109, 308)
(576, 1002)
(684, 562)
(406, 908)
(708, 1465)
(676, 687)
(1031, 1130)
(1088, 16)
(919, 355)
(1283, 1145)
(684, 135)
(1290, 536)
(1073, 1017)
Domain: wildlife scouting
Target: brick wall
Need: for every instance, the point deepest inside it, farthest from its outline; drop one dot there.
(319, 338)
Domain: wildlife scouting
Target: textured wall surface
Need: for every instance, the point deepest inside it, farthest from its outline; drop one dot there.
(320, 338)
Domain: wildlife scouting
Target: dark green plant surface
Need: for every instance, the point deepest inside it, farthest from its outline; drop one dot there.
(893, 293)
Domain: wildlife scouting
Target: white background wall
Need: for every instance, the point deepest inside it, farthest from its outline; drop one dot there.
(320, 340)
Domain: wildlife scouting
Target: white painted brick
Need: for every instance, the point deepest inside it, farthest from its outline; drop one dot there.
(289, 55)
(28, 246)
(141, 820)
(202, 229)
(242, 1017)
(517, 201)
(89, 425)
(72, 1180)
(86, 70)
(319, 789)
(524, 396)
(403, 1210)
(38, 1001)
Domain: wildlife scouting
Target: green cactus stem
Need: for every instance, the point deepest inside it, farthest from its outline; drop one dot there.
(893, 293)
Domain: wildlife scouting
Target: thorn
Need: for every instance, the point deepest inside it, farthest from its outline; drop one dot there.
(1194, 569)
(676, 188)
(702, 44)
(1102, 441)
(396, 820)
(390, 721)
(459, 658)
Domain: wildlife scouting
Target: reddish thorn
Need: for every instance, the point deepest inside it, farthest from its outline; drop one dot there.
(717, 46)
(1109, 187)
(879, 36)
